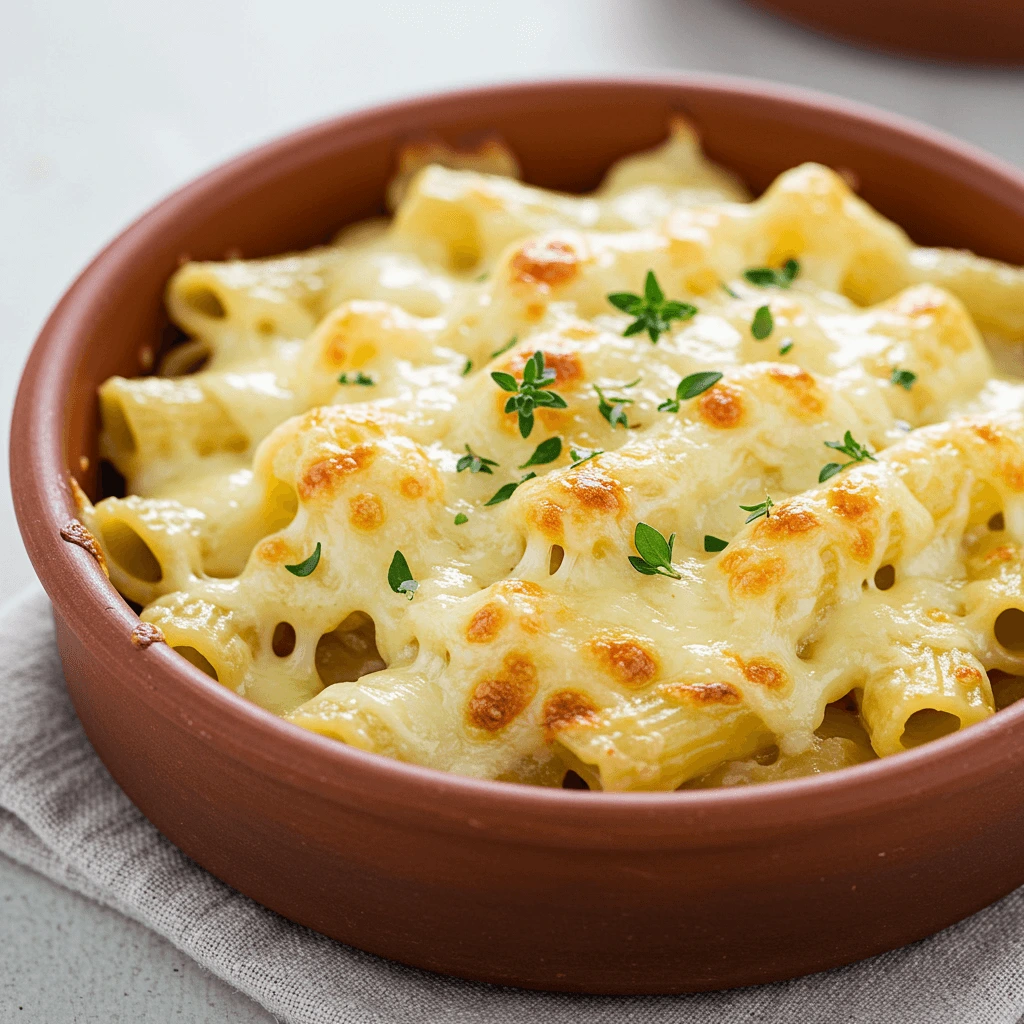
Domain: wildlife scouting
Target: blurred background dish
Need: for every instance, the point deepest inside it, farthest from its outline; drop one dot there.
(969, 31)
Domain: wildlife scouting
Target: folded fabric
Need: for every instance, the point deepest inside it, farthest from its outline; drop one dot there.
(63, 815)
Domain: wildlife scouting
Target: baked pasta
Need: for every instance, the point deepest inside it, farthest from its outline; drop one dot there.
(651, 488)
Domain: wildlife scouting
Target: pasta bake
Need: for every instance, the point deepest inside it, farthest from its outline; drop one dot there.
(660, 486)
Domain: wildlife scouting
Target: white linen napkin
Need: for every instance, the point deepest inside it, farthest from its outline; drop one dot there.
(63, 815)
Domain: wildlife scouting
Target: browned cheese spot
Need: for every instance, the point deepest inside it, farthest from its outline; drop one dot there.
(411, 487)
(1003, 553)
(565, 709)
(763, 672)
(862, 545)
(967, 675)
(1011, 467)
(545, 263)
(365, 511)
(485, 624)
(787, 520)
(853, 500)
(535, 311)
(145, 634)
(751, 574)
(1012, 472)
(497, 702)
(273, 550)
(801, 389)
(337, 351)
(594, 491)
(530, 600)
(546, 516)
(75, 532)
(568, 367)
(525, 587)
(624, 658)
(702, 693)
(721, 406)
(322, 475)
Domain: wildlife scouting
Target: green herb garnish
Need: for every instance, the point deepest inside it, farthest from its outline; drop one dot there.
(763, 508)
(614, 409)
(581, 455)
(728, 290)
(474, 463)
(359, 378)
(653, 313)
(305, 567)
(690, 387)
(506, 492)
(461, 518)
(762, 325)
(856, 452)
(529, 393)
(765, 277)
(547, 451)
(785, 346)
(655, 552)
(467, 368)
(714, 544)
(903, 378)
(504, 348)
(400, 578)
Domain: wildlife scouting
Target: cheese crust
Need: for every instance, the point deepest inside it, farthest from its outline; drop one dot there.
(335, 407)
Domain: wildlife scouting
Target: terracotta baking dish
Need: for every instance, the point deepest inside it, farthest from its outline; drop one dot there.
(555, 889)
(964, 31)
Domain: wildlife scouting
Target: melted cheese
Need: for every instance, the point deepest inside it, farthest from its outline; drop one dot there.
(860, 617)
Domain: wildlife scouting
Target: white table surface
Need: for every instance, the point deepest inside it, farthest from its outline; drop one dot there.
(106, 106)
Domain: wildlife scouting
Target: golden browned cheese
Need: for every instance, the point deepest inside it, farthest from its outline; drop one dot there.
(334, 407)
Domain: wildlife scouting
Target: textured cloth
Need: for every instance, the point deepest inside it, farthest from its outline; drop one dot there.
(62, 814)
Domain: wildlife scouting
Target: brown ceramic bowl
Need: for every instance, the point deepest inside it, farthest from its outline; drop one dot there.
(963, 31)
(554, 889)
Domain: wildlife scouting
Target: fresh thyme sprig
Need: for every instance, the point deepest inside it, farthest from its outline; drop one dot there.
(504, 348)
(358, 378)
(581, 455)
(400, 578)
(529, 393)
(655, 552)
(614, 409)
(306, 566)
(849, 447)
(652, 311)
(474, 463)
(762, 325)
(763, 508)
(903, 378)
(507, 490)
(547, 451)
(785, 347)
(766, 277)
(690, 387)
(467, 368)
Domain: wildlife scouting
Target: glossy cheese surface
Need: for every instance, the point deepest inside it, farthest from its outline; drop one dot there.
(336, 407)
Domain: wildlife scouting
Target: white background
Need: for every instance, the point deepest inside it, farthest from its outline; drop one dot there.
(106, 106)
